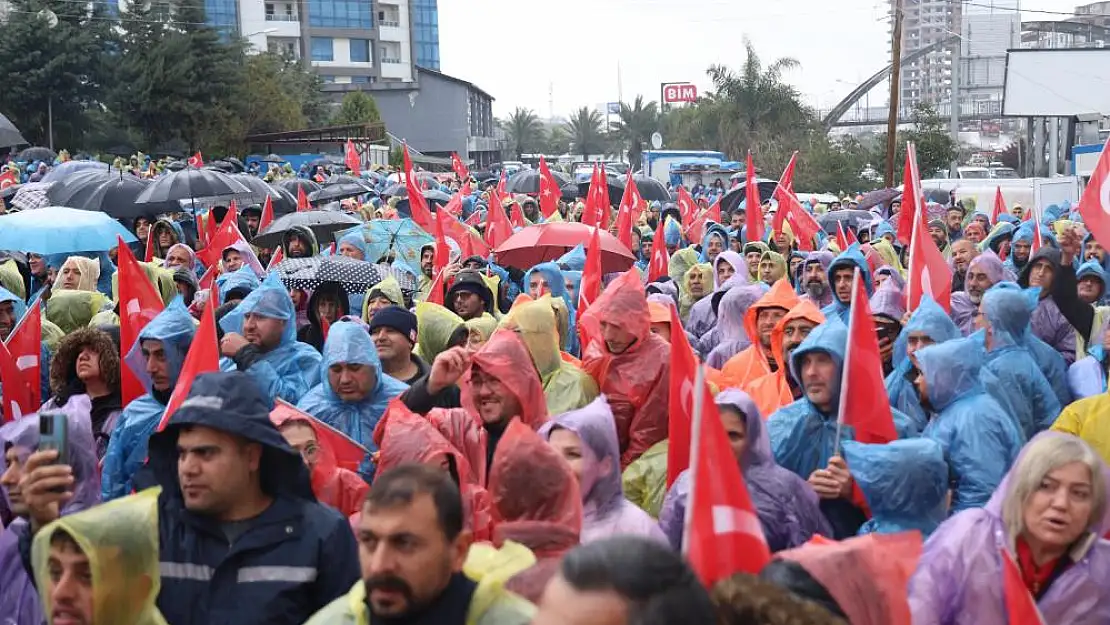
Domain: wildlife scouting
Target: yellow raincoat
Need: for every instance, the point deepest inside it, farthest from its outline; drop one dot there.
(70, 310)
(686, 301)
(1089, 419)
(491, 604)
(434, 327)
(160, 277)
(120, 539)
(388, 288)
(565, 386)
(481, 328)
(645, 480)
(681, 262)
(12, 280)
(890, 257)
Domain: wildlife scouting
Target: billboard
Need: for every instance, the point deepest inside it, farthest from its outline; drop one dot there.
(1059, 82)
(676, 92)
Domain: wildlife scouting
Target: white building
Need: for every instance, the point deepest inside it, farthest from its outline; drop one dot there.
(989, 29)
(924, 23)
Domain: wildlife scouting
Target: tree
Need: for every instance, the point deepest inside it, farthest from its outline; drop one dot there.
(637, 123)
(934, 143)
(586, 135)
(556, 141)
(271, 106)
(524, 131)
(357, 108)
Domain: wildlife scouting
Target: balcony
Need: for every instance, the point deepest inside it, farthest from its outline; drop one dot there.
(388, 61)
(275, 17)
(389, 23)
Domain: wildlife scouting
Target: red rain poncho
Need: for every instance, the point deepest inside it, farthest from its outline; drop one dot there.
(337, 487)
(635, 382)
(402, 436)
(535, 503)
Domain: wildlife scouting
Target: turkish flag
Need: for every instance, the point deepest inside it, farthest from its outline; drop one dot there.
(442, 250)
(209, 277)
(723, 532)
(680, 409)
(202, 234)
(502, 180)
(841, 238)
(435, 292)
(227, 234)
(850, 235)
(696, 230)
(753, 215)
(928, 272)
(863, 400)
(999, 205)
(302, 201)
(352, 159)
(139, 302)
(148, 253)
(713, 213)
(630, 203)
(453, 206)
(687, 207)
(660, 260)
(275, 259)
(498, 228)
(418, 206)
(782, 190)
(24, 346)
(1038, 241)
(549, 191)
(590, 288)
(17, 393)
(597, 200)
(470, 242)
(1021, 607)
(459, 168)
(348, 453)
(8, 179)
(516, 216)
(803, 224)
(267, 214)
(912, 199)
(196, 160)
(210, 227)
(203, 357)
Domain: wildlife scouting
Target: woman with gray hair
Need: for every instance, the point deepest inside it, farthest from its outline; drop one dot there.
(1048, 515)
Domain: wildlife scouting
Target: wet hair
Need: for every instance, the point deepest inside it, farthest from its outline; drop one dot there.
(401, 484)
(747, 600)
(658, 586)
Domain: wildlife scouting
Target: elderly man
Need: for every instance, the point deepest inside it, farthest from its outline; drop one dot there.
(260, 339)
(814, 281)
(983, 272)
(963, 252)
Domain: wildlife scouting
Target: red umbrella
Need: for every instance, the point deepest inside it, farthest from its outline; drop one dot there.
(544, 242)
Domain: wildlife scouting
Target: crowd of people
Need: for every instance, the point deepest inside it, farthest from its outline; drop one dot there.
(477, 444)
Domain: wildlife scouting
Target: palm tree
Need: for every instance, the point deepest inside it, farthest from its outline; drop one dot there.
(585, 128)
(636, 125)
(524, 130)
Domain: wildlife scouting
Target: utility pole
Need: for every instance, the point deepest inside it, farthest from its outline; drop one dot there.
(895, 91)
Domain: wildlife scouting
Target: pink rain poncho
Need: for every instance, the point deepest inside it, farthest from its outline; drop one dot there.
(959, 580)
(340, 488)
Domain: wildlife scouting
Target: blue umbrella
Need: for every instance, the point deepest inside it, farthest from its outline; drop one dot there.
(402, 236)
(59, 230)
(68, 168)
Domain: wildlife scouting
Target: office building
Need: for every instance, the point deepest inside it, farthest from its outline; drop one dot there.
(1088, 28)
(990, 28)
(924, 23)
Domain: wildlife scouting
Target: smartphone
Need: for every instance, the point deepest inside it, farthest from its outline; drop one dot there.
(54, 434)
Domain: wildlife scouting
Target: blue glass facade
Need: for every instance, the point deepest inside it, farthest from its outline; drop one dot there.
(340, 13)
(425, 33)
(323, 49)
(223, 15)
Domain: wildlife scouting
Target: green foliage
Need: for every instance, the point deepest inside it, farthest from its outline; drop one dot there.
(638, 122)
(585, 128)
(525, 134)
(930, 134)
(357, 108)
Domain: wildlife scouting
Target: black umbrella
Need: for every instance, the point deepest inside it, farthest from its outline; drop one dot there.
(121, 150)
(354, 276)
(570, 192)
(322, 223)
(528, 181)
(292, 184)
(176, 166)
(731, 200)
(435, 195)
(9, 134)
(855, 219)
(259, 189)
(236, 163)
(650, 189)
(335, 192)
(345, 179)
(273, 158)
(221, 165)
(113, 194)
(615, 191)
(877, 197)
(45, 155)
(396, 190)
(190, 184)
(285, 203)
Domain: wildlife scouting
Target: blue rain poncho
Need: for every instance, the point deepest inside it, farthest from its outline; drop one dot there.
(851, 257)
(931, 320)
(1093, 269)
(349, 343)
(291, 368)
(127, 448)
(244, 278)
(980, 439)
(905, 484)
(1019, 385)
(713, 230)
(575, 258)
(557, 287)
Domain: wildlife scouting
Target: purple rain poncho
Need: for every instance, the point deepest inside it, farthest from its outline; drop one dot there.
(963, 309)
(19, 601)
(959, 578)
(731, 336)
(702, 317)
(1048, 323)
(605, 511)
(788, 508)
(823, 258)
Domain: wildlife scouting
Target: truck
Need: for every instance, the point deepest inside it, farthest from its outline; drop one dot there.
(657, 163)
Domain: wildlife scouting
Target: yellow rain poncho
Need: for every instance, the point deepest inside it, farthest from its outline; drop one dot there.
(890, 257)
(1086, 419)
(434, 327)
(778, 267)
(686, 300)
(120, 539)
(681, 262)
(388, 288)
(645, 480)
(490, 604)
(52, 334)
(70, 310)
(12, 280)
(565, 386)
(481, 328)
(90, 273)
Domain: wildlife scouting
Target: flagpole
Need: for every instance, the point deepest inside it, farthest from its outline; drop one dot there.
(695, 436)
(844, 366)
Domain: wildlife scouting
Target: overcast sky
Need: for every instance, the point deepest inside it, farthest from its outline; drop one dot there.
(520, 51)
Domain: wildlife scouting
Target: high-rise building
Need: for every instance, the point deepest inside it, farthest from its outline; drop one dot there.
(924, 23)
(989, 29)
(425, 33)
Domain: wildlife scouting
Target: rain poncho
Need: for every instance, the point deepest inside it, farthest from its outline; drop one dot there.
(889, 256)
(1048, 323)
(349, 343)
(434, 327)
(306, 234)
(645, 480)
(127, 448)
(959, 578)
(778, 267)
(177, 235)
(557, 287)
(751, 363)
(787, 506)
(730, 335)
(1022, 388)
(702, 316)
(931, 320)
(160, 278)
(712, 230)
(17, 594)
(686, 299)
(120, 539)
(243, 279)
(850, 258)
(1051, 364)
(1086, 419)
(291, 368)
(772, 391)
(681, 262)
(803, 438)
(979, 438)
(70, 310)
(12, 280)
(89, 269)
(388, 288)
(402, 436)
(825, 259)
(905, 484)
(535, 503)
(333, 485)
(565, 386)
(605, 510)
(1093, 269)
(963, 309)
(635, 381)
